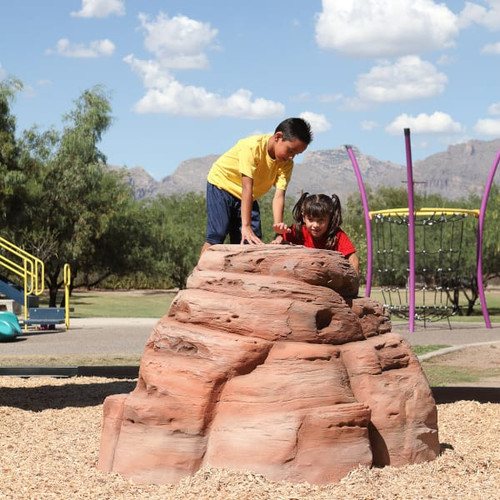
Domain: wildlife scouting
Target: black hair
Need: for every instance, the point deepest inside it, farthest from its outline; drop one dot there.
(319, 205)
(295, 128)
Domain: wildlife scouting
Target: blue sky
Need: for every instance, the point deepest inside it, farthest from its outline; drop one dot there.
(189, 78)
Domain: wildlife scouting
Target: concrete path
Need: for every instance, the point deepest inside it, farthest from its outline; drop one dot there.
(85, 336)
(441, 333)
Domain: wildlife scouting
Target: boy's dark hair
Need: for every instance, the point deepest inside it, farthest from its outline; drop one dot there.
(319, 205)
(295, 128)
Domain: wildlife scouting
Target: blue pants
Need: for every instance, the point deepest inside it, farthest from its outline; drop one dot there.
(224, 216)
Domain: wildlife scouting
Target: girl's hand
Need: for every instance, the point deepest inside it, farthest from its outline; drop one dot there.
(281, 228)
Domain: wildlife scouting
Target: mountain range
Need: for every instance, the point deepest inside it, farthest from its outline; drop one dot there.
(461, 170)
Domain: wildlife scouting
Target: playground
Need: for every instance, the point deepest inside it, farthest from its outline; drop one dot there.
(44, 420)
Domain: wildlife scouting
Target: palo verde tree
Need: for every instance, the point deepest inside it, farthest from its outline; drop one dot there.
(82, 197)
(20, 163)
(13, 180)
(77, 198)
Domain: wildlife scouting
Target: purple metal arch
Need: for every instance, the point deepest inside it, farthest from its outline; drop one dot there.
(479, 269)
(411, 231)
(364, 200)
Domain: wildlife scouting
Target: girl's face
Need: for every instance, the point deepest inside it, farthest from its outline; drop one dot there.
(317, 226)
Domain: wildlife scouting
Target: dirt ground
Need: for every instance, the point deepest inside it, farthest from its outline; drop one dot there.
(487, 357)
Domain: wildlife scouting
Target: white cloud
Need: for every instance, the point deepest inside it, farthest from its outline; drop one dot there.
(487, 126)
(178, 42)
(445, 60)
(325, 98)
(150, 72)
(354, 104)
(167, 95)
(318, 122)
(478, 14)
(3, 73)
(29, 92)
(409, 78)
(100, 8)
(368, 125)
(494, 109)
(491, 48)
(96, 48)
(303, 97)
(384, 28)
(437, 123)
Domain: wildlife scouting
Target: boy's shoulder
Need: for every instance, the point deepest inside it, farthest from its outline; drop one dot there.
(254, 145)
(260, 139)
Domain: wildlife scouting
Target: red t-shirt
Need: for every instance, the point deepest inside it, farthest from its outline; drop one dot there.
(343, 244)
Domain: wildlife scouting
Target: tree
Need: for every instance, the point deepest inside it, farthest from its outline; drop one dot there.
(177, 225)
(491, 242)
(490, 248)
(12, 177)
(70, 215)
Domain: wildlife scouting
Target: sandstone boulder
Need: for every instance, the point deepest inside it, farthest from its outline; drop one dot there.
(269, 362)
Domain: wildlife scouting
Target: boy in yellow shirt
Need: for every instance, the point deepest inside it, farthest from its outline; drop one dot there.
(246, 172)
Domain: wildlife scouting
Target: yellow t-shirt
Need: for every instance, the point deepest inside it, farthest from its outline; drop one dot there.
(250, 157)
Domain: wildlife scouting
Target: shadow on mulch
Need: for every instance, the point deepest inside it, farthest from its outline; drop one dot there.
(55, 397)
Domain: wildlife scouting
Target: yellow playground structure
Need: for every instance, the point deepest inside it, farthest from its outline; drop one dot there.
(22, 278)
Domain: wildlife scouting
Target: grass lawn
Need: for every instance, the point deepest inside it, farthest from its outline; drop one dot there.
(442, 375)
(419, 350)
(119, 304)
(155, 303)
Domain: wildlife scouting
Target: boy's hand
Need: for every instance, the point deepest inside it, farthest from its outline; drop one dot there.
(247, 235)
(281, 228)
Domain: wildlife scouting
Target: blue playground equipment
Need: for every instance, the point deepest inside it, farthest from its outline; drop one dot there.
(9, 326)
(29, 273)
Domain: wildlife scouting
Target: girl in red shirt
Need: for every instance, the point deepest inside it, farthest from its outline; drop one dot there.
(318, 218)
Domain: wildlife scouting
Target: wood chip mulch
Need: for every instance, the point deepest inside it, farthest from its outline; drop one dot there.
(50, 432)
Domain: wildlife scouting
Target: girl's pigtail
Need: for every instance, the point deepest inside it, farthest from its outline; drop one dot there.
(298, 217)
(335, 222)
(336, 211)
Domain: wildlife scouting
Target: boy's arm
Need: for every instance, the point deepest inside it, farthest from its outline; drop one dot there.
(278, 205)
(278, 209)
(247, 233)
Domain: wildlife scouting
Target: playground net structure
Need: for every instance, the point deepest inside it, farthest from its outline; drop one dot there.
(410, 222)
(443, 255)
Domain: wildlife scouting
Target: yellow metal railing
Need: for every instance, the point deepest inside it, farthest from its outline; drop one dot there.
(28, 267)
(67, 283)
(31, 270)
